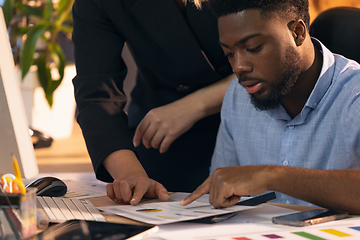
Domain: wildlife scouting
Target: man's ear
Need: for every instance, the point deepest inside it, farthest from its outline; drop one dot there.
(299, 31)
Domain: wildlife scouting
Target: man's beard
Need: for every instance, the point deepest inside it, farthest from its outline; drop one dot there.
(290, 75)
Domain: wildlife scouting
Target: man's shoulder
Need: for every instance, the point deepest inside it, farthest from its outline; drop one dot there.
(346, 65)
(346, 86)
(347, 73)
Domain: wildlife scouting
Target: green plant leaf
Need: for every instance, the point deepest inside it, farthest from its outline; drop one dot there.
(44, 76)
(19, 31)
(64, 5)
(45, 23)
(28, 50)
(43, 71)
(55, 85)
(48, 10)
(69, 18)
(8, 11)
(50, 99)
(26, 10)
(64, 11)
(60, 64)
(67, 29)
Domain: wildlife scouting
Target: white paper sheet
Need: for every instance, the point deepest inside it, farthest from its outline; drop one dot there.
(348, 229)
(256, 224)
(159, 212)
(84, 189)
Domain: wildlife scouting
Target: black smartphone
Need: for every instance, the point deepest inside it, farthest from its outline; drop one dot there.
(309, 217)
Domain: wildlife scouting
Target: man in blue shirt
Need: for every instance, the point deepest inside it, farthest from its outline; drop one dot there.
(299, 131)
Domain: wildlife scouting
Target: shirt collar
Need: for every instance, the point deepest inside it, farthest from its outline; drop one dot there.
(325, 78)
(321, 86)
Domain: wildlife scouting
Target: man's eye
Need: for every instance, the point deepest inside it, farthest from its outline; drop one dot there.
(255, 49)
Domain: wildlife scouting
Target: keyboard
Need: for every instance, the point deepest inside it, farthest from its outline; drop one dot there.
(59, 209)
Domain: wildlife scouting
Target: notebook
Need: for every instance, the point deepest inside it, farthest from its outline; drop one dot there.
(59, 209)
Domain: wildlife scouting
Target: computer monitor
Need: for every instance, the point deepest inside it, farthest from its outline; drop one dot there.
(14, 130)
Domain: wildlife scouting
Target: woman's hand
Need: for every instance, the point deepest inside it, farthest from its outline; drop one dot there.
(161, 126)
(133, 189)
(131, 182)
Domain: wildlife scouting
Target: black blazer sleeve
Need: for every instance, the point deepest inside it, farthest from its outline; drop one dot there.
(99, 83)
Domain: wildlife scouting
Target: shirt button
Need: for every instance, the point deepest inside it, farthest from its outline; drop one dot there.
(285, 162)
(291, 126)
(182, 88)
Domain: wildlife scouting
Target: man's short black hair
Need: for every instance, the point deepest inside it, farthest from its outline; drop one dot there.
(294, 8)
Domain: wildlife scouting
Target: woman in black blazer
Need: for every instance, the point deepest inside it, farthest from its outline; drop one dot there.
(174, 113)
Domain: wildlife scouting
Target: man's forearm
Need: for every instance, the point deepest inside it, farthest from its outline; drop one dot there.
(333, 189)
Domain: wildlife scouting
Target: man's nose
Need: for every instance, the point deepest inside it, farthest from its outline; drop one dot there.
(241, 65)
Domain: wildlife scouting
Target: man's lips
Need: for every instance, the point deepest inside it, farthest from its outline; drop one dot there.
(251, 86)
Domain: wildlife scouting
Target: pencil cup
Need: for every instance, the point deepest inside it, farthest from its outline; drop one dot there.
(28, 213)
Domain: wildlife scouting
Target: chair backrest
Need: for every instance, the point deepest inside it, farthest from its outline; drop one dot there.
(339, 30)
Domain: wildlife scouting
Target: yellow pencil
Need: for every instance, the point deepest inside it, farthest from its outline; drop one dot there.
(16, 167)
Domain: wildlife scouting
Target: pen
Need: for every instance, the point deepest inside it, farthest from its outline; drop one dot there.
(258, 199)
(250, 202)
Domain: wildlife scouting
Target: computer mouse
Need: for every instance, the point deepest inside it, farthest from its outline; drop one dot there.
(49, 186)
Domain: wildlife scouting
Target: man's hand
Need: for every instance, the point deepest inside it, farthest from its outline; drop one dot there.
(332, 189)
(131, 190)
(161, 126)
(226, 185)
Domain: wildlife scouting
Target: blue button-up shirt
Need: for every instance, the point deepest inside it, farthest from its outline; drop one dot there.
(325, 135)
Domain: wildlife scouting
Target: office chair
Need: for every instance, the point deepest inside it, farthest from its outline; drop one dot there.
(339, 30)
